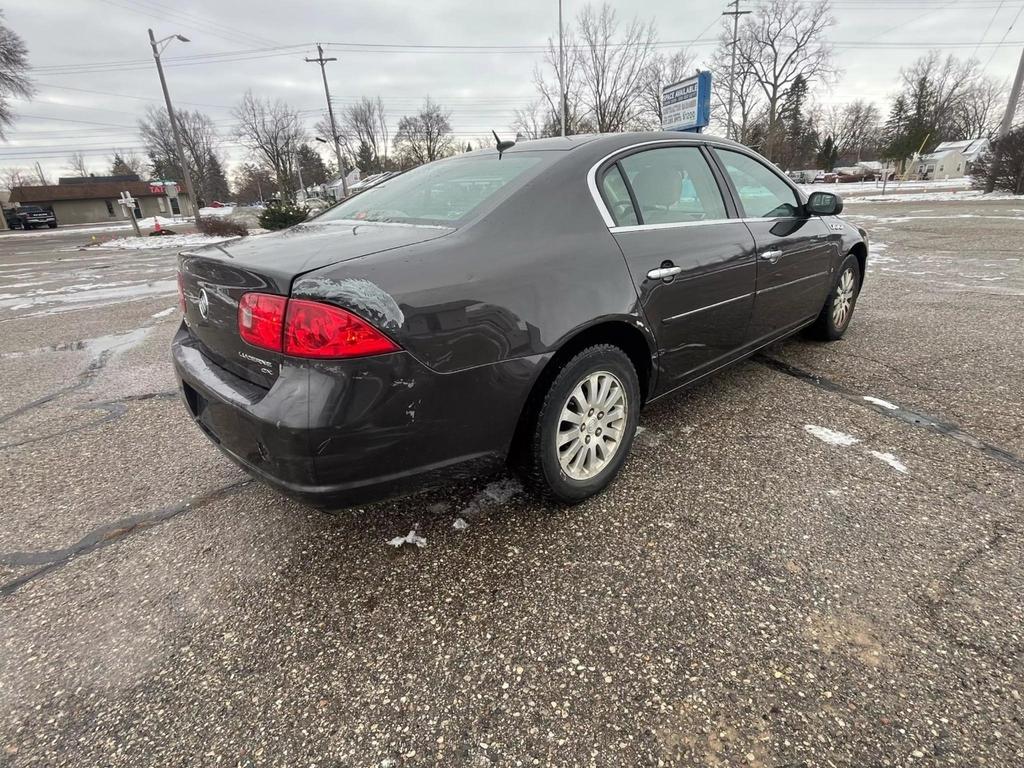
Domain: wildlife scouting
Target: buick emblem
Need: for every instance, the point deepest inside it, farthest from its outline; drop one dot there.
(204, 304)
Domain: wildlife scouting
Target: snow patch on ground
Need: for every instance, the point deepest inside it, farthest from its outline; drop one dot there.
(165, 241)
(830, 436)
(460, 524)
(891, 460)
(164, 312)
(882, 403)
(410, 538)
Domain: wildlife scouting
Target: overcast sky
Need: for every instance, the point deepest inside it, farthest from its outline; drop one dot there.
(95, 76)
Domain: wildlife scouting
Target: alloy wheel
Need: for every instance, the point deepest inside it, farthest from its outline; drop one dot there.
(842, 302)
(590, 425)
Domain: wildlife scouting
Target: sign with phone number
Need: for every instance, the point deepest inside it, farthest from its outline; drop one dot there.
(686, 105)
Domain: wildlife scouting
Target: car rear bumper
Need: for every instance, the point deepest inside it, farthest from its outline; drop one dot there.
(338, 433)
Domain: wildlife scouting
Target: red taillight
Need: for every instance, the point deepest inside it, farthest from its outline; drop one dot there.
(261, 320)
(313, 329)
(307, 328)
(181, 293)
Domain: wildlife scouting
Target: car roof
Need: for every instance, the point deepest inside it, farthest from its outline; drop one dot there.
(608, 142)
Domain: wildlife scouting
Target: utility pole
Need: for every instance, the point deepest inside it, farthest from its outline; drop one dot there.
(561, 64)
(735, 13)
(330, 113)
(1004, 127)
(155, 44)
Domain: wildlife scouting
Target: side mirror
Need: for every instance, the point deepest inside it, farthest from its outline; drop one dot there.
(824, 204)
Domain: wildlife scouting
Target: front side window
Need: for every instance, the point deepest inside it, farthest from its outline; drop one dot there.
(616, 197)
(673, 185)
(444, 192)
(763, 193)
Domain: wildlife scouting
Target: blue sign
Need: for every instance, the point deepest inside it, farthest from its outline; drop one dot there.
(686, 105)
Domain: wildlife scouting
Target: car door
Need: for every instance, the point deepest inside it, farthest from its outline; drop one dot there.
(689, 254)
(795, 253)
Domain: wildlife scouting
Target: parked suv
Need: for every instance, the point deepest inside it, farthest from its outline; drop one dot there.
(30, 217)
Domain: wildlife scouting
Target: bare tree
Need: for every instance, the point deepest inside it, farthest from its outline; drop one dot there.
(272, 131)
(979, 109)
(546, 81)
(748, 99)
(364, 123)
(200, 142)
(14, 177)
(530, 121)
(663, 70)
(425, 136)
(14, 79)
(787, 40)
(126, 162)
(614, 69)
(855, 128)
(77, 164)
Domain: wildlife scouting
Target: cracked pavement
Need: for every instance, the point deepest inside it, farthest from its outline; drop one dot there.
(748, 593)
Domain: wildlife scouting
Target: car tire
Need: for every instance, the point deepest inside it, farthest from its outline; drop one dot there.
(598, 375)
(835, 316)
(52, 226)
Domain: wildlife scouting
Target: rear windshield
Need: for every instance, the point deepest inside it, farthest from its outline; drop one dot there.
(444, 192)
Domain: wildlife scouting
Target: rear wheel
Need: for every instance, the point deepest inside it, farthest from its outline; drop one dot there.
(584, 426)
(842, 299)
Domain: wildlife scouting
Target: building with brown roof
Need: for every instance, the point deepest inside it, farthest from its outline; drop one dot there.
(91, 199)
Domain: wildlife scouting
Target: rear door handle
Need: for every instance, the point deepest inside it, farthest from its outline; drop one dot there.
(663, 273)
(772, 256)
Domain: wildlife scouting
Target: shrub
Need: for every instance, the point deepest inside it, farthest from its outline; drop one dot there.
(282, 215)
(222, 226)
(1007, 173)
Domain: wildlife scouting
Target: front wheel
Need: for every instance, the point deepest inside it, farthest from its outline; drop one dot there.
(835, 316)
(584, 426)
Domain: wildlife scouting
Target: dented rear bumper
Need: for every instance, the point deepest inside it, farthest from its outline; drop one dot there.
(337, 433)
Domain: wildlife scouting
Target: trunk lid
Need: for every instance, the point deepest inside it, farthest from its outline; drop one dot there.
(214, 279)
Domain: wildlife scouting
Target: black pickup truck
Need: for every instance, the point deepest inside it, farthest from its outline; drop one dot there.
(30, 217)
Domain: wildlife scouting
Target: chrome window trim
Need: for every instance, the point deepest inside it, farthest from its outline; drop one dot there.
(672, 225)
(709, 306)
(592, 174)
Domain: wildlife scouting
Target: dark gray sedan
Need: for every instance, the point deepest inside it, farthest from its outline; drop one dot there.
(520, 307)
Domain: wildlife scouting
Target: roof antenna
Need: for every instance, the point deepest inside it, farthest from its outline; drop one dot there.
(502, 145)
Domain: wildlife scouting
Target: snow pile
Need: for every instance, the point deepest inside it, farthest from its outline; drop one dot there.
(164, 222)
(164, 241)
(224, 210)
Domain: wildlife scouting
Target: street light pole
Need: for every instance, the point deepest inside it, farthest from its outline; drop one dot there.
(330, 113)
(155, 44)
(735, 13)
(561, 65)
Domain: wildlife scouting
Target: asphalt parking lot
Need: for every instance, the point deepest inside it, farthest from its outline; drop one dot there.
(814, 559)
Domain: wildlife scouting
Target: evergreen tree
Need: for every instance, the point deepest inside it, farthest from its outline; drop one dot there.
(894, 134)
(828, 154)
(216, 182)
(366, 160)
(314, 171)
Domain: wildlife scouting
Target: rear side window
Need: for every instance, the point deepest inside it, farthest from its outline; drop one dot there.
(673, 185)
(616, 197)
(762, 192)
(443, 192)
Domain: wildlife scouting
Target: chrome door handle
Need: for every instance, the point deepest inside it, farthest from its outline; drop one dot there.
(772, 256)
(664, 272)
